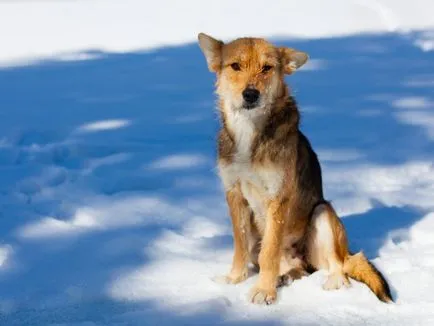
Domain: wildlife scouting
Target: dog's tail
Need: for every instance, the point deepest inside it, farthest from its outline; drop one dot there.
(361, 269)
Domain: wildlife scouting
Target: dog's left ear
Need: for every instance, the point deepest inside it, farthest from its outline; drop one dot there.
(292, 59)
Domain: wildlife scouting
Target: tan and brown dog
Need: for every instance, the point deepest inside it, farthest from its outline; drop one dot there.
(272, 177)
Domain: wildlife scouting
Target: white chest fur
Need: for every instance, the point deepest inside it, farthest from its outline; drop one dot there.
(258, 183)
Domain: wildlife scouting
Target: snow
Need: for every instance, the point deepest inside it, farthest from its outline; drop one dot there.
(5, 253)
(104, 125)
(111, 209)
(70, 29)
(414, 102)
(179, 161)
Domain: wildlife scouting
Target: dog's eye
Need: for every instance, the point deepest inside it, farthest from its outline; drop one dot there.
(235, 66)
(266, 68)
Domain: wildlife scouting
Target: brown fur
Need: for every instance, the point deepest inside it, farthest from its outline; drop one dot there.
(272, 176)
(241, 227)
(359, 268)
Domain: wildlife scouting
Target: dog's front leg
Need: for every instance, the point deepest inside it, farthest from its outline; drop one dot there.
(240, 215)
(269, 258)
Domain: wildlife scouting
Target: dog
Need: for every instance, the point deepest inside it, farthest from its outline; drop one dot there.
(272, 177)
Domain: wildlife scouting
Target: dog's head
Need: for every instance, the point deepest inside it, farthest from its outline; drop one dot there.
(250, 71)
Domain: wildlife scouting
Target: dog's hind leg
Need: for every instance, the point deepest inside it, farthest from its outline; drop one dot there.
(327, 246)
(292, 267)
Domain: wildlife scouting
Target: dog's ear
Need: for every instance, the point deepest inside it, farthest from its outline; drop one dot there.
(292, 59)
(212, 49)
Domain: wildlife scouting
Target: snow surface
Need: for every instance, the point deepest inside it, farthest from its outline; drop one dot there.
(70, 30)
(110, 206)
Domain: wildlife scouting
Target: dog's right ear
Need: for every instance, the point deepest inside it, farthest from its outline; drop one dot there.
(212, 49)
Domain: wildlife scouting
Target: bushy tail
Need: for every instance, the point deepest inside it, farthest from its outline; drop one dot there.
(361, 269)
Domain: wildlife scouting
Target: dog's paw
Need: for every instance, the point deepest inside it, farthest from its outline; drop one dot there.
(263, 296)
(336, 281)
(284, 280)
(232, 278)
(291, 276)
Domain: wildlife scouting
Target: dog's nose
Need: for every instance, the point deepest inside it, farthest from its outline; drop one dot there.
(250, 95)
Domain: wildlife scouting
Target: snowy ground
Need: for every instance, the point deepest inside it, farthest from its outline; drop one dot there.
(111, 211)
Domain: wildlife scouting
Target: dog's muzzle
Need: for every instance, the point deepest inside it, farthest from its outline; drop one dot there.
(250, 96)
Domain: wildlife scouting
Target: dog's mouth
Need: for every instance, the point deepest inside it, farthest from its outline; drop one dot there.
(250, 106)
